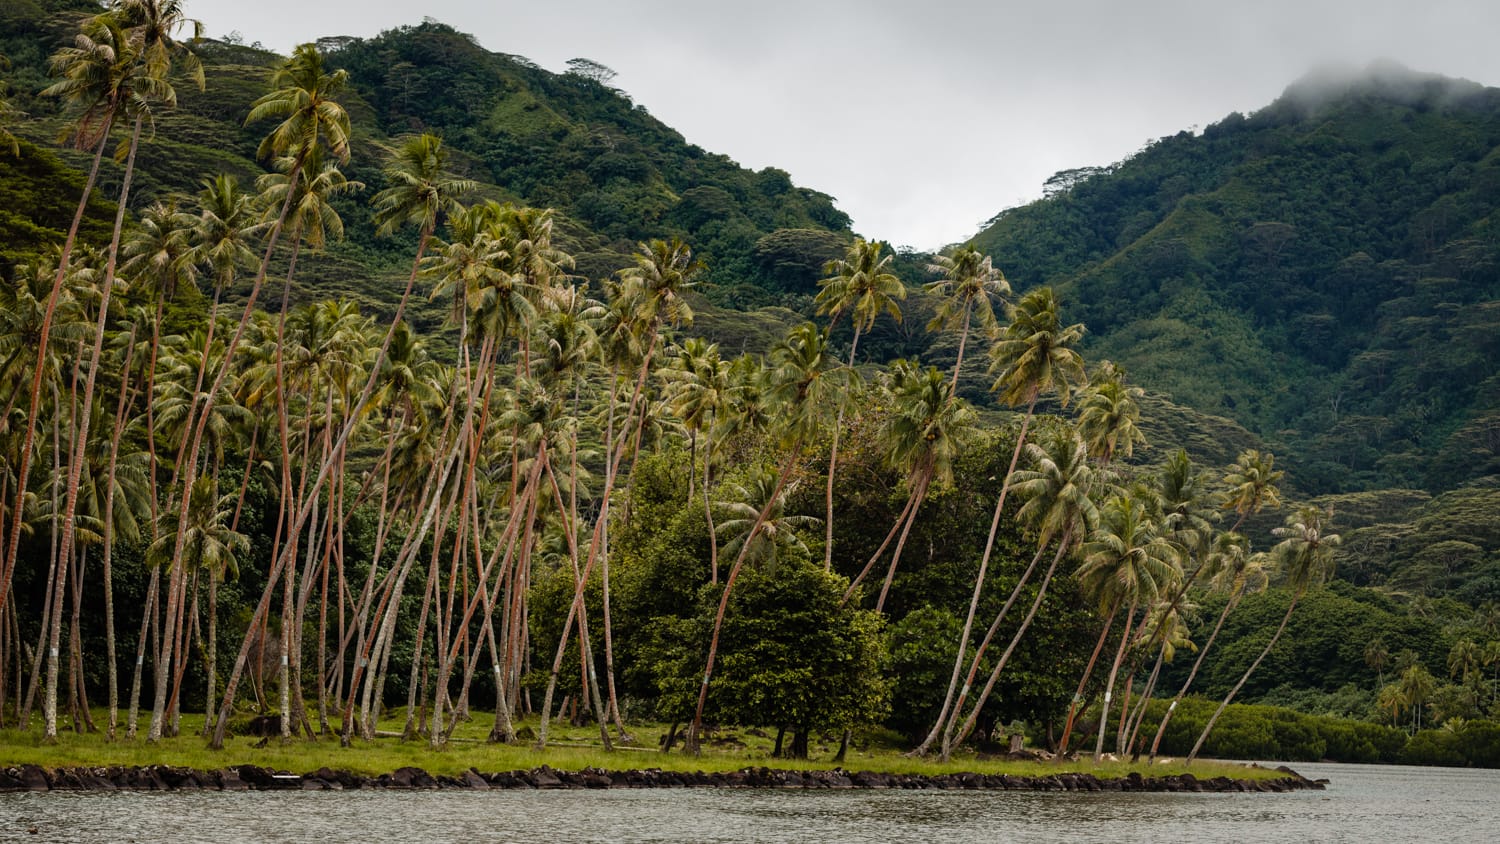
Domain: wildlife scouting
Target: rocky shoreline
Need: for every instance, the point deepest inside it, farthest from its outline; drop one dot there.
(255, 778)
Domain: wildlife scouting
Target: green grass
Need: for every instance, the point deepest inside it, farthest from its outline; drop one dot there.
(570, 748)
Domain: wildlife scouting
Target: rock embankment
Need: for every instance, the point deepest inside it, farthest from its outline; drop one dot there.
(256, 778)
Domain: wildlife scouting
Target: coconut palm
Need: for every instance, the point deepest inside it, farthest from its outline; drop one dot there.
(141, 34)
(1057, 490)
(1464, 659)
(969, 283)
(1236, 571)
(1127, 563)
(1109, 415)
(1250, 485)
(1032, 357)
(103, 79)
(778, 529)
(920, 439)
(699, 394)
(802, 382)
(1305, 556)
(861, 284)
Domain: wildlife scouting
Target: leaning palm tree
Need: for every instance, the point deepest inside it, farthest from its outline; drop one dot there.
(802, 383)
(1305, 556)
(142, 34)
(921, 439)
(699, 394)
(861, 284)
(969, 282)
(1059, 506)
(104, 80)
(1109, 415)
(1033, 357)
(1250, 485)
(778, 529)
(1129, 562)
(1236, 571)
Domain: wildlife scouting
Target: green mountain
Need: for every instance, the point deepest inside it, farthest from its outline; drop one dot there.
(569, 141)
(1324, 271)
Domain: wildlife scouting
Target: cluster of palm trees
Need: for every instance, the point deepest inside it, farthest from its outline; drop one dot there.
(509, 457)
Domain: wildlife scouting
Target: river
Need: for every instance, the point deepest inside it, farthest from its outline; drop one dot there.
(1362, 803)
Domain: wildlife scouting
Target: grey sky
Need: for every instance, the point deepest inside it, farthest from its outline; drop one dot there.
(925, 118)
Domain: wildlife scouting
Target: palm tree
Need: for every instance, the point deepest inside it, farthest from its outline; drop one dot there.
(1236, 571)
(699, 395)
(1250, 485)
(1128, 563)
(920, 439)
(1033, 356)
(142, 34)
(968, 283)
(1378, 656)
(1305, 555)
(1121, 568)
(862, 284)
(1464, 658)
(778, 529)
(801, 383)
(1411, 693)
(1109, 415)
(103, 79)
(1059, 506)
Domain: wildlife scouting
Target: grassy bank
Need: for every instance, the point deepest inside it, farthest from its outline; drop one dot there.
(570, 748)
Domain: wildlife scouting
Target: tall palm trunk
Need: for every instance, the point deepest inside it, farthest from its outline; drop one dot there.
(949, 738)
(833, 462)
(1109, 685)
(695, 731)
(108, 533)
(949, 709)
(1208, 728)
(1088, 671)
(7, 570)
(355, 411)
(1166, 718)
(80, 443)
(963, 339)
(890, 535)
(919, 494)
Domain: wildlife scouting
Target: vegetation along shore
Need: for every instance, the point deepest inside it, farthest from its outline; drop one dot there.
(397, 405)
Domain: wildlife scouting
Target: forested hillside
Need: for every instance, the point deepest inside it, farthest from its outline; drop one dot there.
(1325, 271)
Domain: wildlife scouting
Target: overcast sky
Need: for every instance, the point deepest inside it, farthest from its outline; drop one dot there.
(925, 118)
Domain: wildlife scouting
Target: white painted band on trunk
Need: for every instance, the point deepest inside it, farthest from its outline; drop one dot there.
(283, 659)
(52, 652)
(1172, 707)
(1107, 698)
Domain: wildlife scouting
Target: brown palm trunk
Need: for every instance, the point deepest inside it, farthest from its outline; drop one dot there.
(1109, 686)
(949, 709)
(833, 462)
(1166, 718)
(1074, 706)
(950, 740)
(7, 570)
(1208, 728)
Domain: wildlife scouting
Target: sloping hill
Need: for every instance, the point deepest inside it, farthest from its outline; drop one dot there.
(1324, 271)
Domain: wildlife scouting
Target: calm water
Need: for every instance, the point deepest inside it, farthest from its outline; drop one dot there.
(1363, 803)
